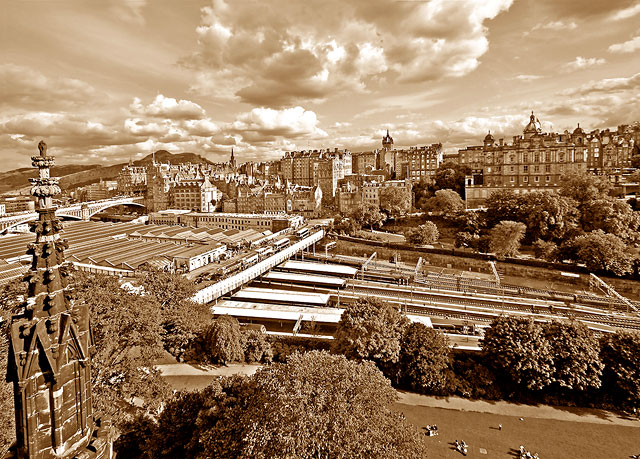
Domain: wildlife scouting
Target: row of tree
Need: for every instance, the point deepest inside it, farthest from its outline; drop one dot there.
(521, 357)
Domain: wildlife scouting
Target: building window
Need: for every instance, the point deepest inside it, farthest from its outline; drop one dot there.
(547, 168)
(512, 179)
(548, 178)
(525, 179)
(526, 168)
(536, 178)
(512, 168)
(536, 168)
(536, 158)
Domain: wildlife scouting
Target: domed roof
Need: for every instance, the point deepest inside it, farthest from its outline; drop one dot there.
(534, 124)
(578, 130)
(489, 137)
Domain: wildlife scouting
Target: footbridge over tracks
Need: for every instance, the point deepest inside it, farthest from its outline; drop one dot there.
(215, 291)
(79, 211)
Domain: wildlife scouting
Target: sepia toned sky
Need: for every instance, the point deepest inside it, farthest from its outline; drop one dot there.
(105, 80)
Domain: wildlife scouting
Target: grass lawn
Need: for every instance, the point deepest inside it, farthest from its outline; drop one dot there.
(551, 439)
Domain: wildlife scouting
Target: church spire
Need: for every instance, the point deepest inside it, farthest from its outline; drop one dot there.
(232, 160)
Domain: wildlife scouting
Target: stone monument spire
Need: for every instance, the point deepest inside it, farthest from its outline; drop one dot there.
(50, 347)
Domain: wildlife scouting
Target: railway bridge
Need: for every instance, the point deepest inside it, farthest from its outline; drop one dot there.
(79, 211)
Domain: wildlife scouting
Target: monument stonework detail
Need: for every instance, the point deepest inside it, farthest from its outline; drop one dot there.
(50, 347)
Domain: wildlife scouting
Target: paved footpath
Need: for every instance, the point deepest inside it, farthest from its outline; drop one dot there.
(190, 377)
(523, 411)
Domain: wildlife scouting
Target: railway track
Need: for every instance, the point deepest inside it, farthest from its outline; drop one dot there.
(496, 306)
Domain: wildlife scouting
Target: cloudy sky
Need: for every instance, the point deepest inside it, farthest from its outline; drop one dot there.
(105, 80)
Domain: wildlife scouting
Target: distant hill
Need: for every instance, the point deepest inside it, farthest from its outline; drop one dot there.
(72, 176)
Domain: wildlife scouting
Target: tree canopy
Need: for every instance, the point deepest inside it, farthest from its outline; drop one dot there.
(576, 356)
(519, 349)
(424, 357)
(583, 187)
(315, 405)
(505, 238)
(621, 358)
(181, 319)
(451, 176)
(395, 201)
(426, 233)
(600, 251)
(370, 329)
(126, 329)
(446, 202)
(223, 340)
(368, 215)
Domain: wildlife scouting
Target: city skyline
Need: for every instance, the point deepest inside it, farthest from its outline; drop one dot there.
(112, 80)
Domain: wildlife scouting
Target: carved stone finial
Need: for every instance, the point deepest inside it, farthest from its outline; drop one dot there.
(43, 149)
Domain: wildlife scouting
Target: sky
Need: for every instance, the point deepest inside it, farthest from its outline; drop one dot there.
(103, 81)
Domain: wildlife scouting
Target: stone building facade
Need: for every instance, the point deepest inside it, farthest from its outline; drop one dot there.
(537, 160)
(50, 348)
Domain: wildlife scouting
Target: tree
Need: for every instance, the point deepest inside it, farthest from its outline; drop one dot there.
(370, 329)
(545, 250)
(223, 340)
(126, 330)
(421, 193)
(369, 215)
(424, 234)
(505, 238)
(424, 357)
(446, 202)
(255, 346)
(451, 176)
(547, 216)
(620, 354)
(503, 205)
(611, 216)
(576, 356)
(519, 349)
(12, 295)
(342, 407)
(181, 318)
(395, 201)
(602, 252)
(583, 187)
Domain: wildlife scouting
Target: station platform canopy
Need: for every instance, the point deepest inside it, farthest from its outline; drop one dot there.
(308, 279)
(319, 268)
(265, 295)
(247, 310)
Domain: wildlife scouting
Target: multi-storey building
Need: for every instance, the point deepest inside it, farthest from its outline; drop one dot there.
(258, 222)
(197, 194)
(537, 160)
(132, 179)
(18, 204)
(321, 168)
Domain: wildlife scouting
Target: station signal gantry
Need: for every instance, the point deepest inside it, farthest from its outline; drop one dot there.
(596, 282)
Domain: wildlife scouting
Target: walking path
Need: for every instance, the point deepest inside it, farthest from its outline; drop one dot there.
(518, 410)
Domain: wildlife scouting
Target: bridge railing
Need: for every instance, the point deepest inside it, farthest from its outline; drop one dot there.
(215, 291)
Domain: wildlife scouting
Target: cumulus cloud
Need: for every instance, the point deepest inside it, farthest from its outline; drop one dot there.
(629, 46)
(167, 107)
(24, 87)
(626, 13)
(262, 124)
(253, 52)
(582, 63)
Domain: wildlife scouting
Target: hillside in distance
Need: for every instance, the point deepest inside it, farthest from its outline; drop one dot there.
(72, 176)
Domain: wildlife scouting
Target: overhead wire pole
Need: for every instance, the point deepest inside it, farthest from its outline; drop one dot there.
(366, 263)
(418, 273)
(495, 271)
(602, 285)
